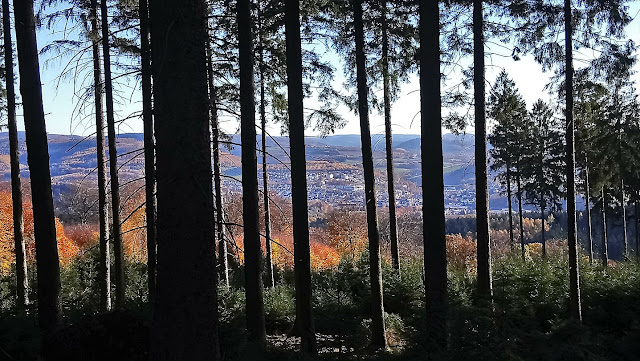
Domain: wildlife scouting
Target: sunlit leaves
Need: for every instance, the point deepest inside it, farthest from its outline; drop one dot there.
(67, 248)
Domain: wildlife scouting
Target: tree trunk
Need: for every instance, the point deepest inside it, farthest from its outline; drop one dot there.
(302, 270)
(113, 163)
(22, 281)
(252, 252)
(544, 240)
(185, 323)
(623, 213)
(637, 211)
(104, 268)
(588, 206)
(48, 267)
(378, 337)
(519, 195)
(510, 206)
(149, 149)
(223, 263)
(605, 242)
(212, 113)
(269, 282)
(485, 289)
(619, 129)
(393, 223)
(575, 309)
(541, 181)
(433, 231)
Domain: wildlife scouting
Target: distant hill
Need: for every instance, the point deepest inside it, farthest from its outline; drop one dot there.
(353, 140)
(451, 143)
(72, 158)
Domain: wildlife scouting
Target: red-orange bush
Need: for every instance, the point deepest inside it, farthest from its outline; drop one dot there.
(67, 249)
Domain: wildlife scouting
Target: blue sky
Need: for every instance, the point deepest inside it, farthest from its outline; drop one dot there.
(63, 117)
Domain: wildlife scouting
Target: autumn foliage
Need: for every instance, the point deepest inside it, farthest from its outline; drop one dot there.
(461, 253)
(323, 256)
(347, 232)
(67, 248)
(134, 234)
(345, 236)
(74, 240)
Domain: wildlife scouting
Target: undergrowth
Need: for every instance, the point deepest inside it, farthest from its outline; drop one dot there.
(528, 319)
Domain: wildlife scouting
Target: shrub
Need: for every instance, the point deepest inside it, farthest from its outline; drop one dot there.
(279, 308)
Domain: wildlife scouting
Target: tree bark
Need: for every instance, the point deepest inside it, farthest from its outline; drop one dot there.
(605, 242)
(149, 149)
(510, 206)
(619, 129)
(588, 206)
(544, 240)
(213, 113)
(575, 309)
(302, 258)
(541, 181)
(435, 256)
(252, 252)
(269, 282)
(185, 323)
(22, 281)
(48, 267)
(623, 214)
(519, 195)
(378, 337)
(116, 234)
(485, 289)
(104, 268)
(637, 223)
(393, 222)
(223, 264)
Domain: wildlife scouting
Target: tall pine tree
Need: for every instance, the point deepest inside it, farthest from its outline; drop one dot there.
(185, 319)
(435, 256)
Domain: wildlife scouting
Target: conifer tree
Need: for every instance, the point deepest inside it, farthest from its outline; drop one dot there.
(575, 306)
(104, 270)
(393, 227)
(116, 231)
(48, 267)
(378, 336)
(302, 253)
(508, 110)
(605, 230)
(596, 24)
(485, 288)
(435, 257)
(22, 281)
(398, 44)
(268, 45)
(185, 319)
(253, 279)
(589, 109)
(223, 264)
(149, 147)
(224, 97)
(543, 164)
